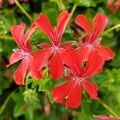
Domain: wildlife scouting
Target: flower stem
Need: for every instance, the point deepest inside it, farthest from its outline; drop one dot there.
(23, 10)
(26, 85)
(112, 28)
(5, 103)
(73, 9)
(109, 109)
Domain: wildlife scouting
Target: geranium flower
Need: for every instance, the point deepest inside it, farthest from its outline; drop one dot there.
(92, 40)
(78, 77)
(24, 53)
(11, 2)
(114, 6)
(52, 53)
(101, 117)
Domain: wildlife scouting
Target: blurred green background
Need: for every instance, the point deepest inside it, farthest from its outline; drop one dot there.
(35, 102)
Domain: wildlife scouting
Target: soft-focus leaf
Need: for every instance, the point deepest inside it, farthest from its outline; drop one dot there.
(23, 108)
(46, 85)
(51, 10)
(108, 81)
(86, 3)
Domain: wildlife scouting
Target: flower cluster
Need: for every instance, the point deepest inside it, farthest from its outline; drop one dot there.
(77, 64)
(114, 6)
(11, 2)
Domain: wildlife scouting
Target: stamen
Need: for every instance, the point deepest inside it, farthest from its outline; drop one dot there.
(79, 80)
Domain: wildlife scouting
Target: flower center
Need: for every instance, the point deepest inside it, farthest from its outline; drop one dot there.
(56, 48)
(79, 80)
(22, 52)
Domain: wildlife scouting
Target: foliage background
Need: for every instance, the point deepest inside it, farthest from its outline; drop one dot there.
(33, 101)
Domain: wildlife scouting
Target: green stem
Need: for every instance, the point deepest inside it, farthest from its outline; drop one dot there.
(60, 4)
(5, 103)
(109, 109)
(23, 10)
(83, 36)
(112, 28)
(73, 9)
(26, 85)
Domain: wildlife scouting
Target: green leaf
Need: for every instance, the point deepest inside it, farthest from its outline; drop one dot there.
(60, 4)
(51, 10)
(38, 37)
(83, 3)
(109, 88)
(23, 108)
(46, 85)
(6, 21)
(116, 62)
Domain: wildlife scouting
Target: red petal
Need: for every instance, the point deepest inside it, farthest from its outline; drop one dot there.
(17, 32)
(71, 60)
(36, 74)
(1, 2)
(26, 0)
(56, 66)
(20, 73)
(100, 21)
(110, 2)
(69, 78)
(63, 19)
(94, 64)
(83, 54)
(45, 26)
(106, 52)
(111, 7)
(75, 96)
(29, 33)
(44, 45)
(60, 92)
(101, 117)
(83, 22)
(67, 44)
(91, 89)
(117, 3)
(114, 7)
(11, 2)
(41, 57)
(16, 56)
(33, 72)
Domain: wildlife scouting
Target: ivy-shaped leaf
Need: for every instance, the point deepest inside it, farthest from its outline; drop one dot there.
(46, 85)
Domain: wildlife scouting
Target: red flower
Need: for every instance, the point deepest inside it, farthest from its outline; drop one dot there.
(72, 90)
(114, 7)
(24, 53)
(92, 40)
(100, 117)
(11, 2)
(52, 53)
(1, 3)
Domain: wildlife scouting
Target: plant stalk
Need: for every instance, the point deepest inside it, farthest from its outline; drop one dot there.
(108, 109)
(111, 29)
(5, 103)
(23, 10)
(73, 9)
